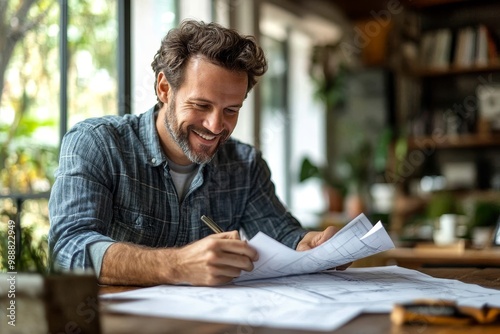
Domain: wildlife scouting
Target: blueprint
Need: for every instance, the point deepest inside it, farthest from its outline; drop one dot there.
(321, 301)
(356, 240)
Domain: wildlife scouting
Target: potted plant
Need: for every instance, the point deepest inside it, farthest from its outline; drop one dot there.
(354, 168)
(333, 188)
(345, 185)
(484, 221)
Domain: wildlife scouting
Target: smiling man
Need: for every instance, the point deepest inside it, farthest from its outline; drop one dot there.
(130, 191)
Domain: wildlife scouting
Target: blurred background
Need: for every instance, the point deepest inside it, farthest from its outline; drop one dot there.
(391, 108)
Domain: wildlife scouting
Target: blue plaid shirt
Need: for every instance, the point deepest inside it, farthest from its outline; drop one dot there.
(113, 184)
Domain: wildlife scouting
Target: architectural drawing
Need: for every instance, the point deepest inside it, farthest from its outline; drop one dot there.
(320, 301)
(356, 240)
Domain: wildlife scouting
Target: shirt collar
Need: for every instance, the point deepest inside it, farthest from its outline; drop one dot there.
(150, 139)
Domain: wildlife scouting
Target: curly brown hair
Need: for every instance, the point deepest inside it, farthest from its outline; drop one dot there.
(222, 46)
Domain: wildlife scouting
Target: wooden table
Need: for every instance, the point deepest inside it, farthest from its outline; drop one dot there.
(415, 258)
(366, 323)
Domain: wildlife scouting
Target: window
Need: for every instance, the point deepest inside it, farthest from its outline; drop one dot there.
(291, 124)
(92, 60)
(151, 20)
(29, 104)
(31, 112)
(275, 119)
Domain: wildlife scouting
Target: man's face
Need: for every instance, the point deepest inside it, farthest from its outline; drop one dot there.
(203, 113)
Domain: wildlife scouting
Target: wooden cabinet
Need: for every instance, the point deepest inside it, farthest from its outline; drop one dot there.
(446, 59)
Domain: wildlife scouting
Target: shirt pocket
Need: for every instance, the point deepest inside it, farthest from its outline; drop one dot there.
(135, 227)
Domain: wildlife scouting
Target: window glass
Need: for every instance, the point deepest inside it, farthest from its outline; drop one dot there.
(30, 107)
(29, 104)
(92, 66)
(151, 20)
(274, 132)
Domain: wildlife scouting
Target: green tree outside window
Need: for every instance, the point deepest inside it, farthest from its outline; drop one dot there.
(29, 101)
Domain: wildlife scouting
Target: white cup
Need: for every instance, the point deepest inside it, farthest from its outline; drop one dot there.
(446, 234)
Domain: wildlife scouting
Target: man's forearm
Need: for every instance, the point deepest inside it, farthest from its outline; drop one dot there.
(128, 264)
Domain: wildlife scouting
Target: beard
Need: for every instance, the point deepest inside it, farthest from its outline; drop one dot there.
(202, 154)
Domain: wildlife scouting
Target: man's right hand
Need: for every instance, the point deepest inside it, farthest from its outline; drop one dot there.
(213, 260)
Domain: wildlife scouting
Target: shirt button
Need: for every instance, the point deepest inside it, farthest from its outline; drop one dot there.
(153, 160)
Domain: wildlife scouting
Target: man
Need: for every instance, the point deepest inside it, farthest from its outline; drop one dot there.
(130, 191)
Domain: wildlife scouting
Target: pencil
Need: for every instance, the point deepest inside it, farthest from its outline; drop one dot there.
(210, 223)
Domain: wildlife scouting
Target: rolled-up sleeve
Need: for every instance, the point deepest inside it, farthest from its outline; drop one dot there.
(81, 201)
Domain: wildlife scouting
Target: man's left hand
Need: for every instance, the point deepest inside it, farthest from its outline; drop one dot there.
(314, 239)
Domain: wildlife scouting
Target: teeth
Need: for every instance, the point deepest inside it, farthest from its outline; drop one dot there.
(204, 136)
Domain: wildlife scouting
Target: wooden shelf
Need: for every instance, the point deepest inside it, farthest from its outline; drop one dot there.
(437, 72)
(429, 88)
(429, 3)
(455, 141)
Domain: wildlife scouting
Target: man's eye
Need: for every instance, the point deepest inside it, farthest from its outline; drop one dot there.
(232, 111)
(200, 106)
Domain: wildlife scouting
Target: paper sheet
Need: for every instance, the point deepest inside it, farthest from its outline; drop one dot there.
(321, 301)
(356, 240)
(245, 306)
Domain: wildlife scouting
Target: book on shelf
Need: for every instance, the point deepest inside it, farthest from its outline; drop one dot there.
(481, 56)
(435, 48)
(464, 52)
(469, 46)
(427, 44)
(442, 50)
(492, 47)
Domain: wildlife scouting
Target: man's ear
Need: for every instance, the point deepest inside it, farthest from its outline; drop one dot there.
(162, 87)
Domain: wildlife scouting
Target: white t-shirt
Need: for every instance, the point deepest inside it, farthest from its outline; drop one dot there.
(182, 177)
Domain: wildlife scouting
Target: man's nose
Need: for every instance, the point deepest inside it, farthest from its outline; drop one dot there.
(215, 121)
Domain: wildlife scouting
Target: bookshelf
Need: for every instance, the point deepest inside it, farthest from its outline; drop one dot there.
(444, 55)
(467, 47)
